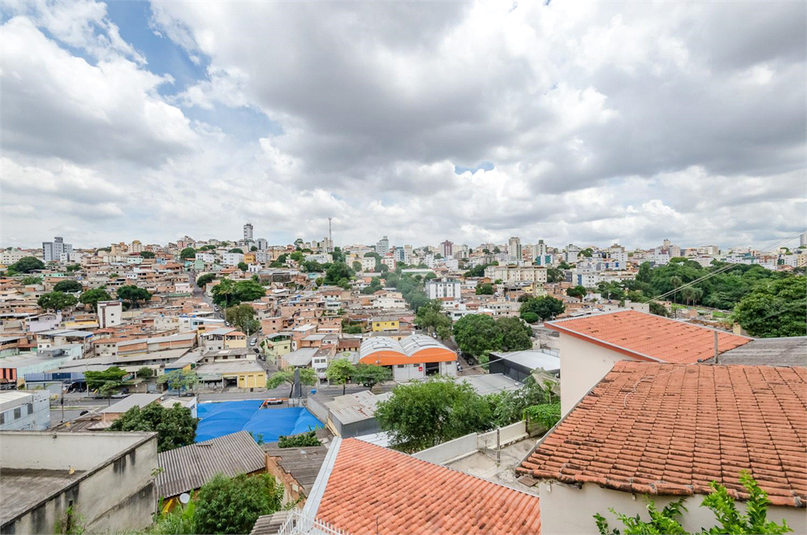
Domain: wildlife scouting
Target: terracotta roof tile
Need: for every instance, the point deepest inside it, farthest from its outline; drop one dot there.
(377, 490)
(721, 419)
(649, 336)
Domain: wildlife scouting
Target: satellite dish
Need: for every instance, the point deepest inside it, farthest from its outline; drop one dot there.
(184, 498)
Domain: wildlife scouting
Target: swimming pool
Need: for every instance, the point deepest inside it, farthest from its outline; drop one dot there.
(226, 417)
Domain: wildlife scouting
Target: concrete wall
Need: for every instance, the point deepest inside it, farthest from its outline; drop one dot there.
(409, 372)
(582, 365)
(566, 509)
(449, 451)
(116, 495)
(317, 409)
(59, 451)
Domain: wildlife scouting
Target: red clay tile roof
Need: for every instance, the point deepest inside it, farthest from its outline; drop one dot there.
(649, 337)
(377, 490)
(671, 429)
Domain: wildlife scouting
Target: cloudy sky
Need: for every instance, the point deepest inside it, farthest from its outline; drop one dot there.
(573, 122)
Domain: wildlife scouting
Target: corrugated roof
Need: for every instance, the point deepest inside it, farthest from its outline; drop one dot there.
(530, 358)
(768, 352)
(649, 337)
(188, 468)
(302, 464)
(301, 357)
(671, 429)
(377, 490)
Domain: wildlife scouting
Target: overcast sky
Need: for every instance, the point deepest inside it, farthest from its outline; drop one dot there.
(590, 123)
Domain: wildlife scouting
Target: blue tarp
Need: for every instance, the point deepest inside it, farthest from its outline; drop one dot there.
(226, 417)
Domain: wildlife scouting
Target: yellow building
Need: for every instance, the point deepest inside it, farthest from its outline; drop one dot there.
(383, 324)
(275, 346)
(244, 373)
(249, 258)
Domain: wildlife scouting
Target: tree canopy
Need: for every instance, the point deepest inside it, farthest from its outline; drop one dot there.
(56, 301)
(479, 334)
(67, 286)
(146, 254)
(307, 377)
(26, 264)
(431, 318)
(339, 372)
(484, 289)
(133, 295)
(179, 380)
(243, 266)
(242, 317)
(92, 297)
(204, 280)
(232, 505)
(97, 379)
(175, 427)
(422, 415)
(541, 308)
(236, 250)
(577, 291)
(229, 292)
(775, 308)
(187, 253)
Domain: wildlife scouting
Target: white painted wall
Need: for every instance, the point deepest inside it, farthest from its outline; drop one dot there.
(58, 451)
(408, 372)
(582, 365)
(566, 509)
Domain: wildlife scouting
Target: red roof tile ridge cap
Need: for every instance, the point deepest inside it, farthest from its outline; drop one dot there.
(600, 341)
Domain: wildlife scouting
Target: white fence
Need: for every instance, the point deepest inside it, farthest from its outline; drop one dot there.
(298, 524)
(469, 444)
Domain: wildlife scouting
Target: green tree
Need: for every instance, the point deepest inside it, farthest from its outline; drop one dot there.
(644, 274)
(232, 505)
(554, 275)
(31, 279)
(356, 266)
(146, 254)
(422, 415)
(484, 289)
(246, 291)
(303, 440)
(188, 253)
(719, 501)
(97, 379)
(204, 280)
(56, 301)
(145, 373)
(544, 308)
(477, 335)
(336, 272)
(577, 291)
(339, 372)
(224, 293)
(179, 380)
(236, 250)
(243, 266)
(430, 317)
(370, 375)
(92, 297)
(227, 292)
(73, 268)
(243, 318)
(530, 317)
(133, 295)
(775, 308)
(253, 248)
(611, 290)
(26, 264)
(70, 286)
(658, 309)
(515, 336)
(307, 377)
(175, 427)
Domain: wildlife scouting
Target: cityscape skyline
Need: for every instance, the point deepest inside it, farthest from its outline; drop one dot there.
(479, 121)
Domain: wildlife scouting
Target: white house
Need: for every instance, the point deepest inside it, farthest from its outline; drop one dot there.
(591, 345)
(439, 289)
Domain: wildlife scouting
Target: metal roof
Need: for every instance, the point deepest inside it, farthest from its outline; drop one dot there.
(356, 407)
(135, 400)
(768, 352)
(188, 468)
(532, 359)
(302, 464)
(491, 383)
(301, 357)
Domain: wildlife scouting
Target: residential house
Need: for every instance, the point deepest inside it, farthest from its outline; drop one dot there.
(668, 431)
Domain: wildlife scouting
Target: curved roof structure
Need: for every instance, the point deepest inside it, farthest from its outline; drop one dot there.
(416, 348)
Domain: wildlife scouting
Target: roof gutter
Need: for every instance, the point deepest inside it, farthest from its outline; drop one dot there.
(313, 501)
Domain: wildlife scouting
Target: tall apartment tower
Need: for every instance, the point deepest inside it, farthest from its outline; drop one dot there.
(52, 250)
(447, 249)
(248, 232)
(514, 249)
(382, 247)
(803, 239)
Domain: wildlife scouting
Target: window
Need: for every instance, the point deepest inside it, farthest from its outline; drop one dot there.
(29, 408)
(402, 365)
(2, 418)
(18, 413)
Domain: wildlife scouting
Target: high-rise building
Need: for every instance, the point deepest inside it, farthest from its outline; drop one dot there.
(248, 232)
(803, 239)
(447, 249)
(52, 250)
(261, 244)
(382, 247)
(514, 249)
(136, 247)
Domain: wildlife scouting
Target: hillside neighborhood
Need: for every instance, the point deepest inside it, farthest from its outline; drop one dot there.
(493, 389)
